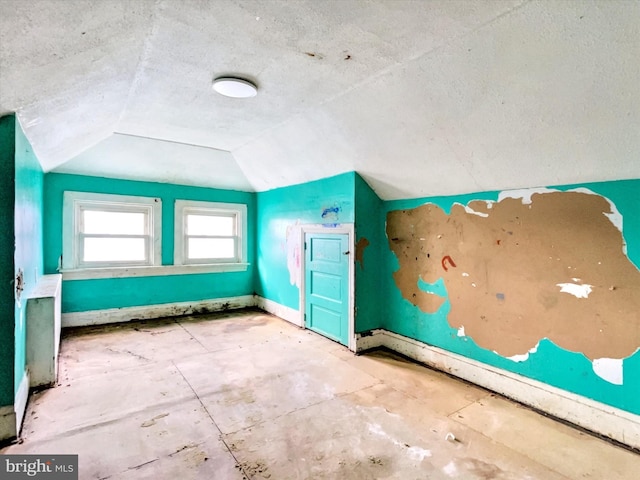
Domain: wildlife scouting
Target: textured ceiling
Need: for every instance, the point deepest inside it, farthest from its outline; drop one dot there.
(421, 97)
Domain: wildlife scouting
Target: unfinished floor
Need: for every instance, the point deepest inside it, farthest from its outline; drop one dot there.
(247, 395)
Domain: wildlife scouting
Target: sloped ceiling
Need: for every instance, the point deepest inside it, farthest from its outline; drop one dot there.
(421, 97)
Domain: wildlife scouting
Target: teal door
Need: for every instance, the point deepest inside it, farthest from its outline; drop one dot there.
(327, 285)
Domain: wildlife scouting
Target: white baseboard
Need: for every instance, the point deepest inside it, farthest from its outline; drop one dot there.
(286, 313)
(369, 340)
(595, 416)
(146, 312)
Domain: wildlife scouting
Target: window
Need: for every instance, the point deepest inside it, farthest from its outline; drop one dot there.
(210, 233)
(103, 230)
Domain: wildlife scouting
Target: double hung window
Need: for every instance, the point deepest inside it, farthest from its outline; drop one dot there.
(103, 230)
(209, 233)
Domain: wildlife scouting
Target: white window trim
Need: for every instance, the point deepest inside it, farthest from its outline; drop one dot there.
(74, 201)
(179, 245)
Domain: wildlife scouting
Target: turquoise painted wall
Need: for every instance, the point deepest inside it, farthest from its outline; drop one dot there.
(7, 203)
(550, 364)
(28, 237)
(368, 281)
(84, 295)
(329, 201)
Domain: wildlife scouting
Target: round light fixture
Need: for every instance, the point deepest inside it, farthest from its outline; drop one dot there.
(235, 87)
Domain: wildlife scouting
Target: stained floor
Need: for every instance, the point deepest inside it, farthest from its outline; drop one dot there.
(246, 395)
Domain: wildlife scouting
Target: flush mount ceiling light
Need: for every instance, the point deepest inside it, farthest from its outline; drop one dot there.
(235, 87)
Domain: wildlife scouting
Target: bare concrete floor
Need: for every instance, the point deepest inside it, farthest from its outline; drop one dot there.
(247, 395)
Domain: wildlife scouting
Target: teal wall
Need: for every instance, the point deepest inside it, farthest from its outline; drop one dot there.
(95, 294)
(28, 237)
(21, 184)
(7, 203)
(368, 281)
(550, 364)
(329, 201)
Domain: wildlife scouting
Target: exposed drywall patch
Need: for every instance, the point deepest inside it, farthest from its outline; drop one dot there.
(609, 369)
(613, 215)
(575, 289)
(293, 236)
(525, 195)
(529, 244)
(360, 246)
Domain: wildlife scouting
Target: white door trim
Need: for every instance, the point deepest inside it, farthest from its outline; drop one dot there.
(343, 229)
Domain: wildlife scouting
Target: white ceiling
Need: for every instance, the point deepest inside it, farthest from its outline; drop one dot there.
(421, 97)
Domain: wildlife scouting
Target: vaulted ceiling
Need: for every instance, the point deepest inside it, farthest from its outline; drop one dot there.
(421, 97)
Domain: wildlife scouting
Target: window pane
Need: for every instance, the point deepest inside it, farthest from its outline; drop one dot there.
(200, 248)
(114, 223)
(210, 225)
(114, 250)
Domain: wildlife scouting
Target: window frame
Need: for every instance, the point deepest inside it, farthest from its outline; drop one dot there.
(74, 203)
(186, 207)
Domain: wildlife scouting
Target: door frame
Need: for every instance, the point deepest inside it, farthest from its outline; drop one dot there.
(342, 229)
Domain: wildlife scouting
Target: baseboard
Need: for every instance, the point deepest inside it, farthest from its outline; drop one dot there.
(286, 313)
(146, 312)
(603, 419)
(368, 340)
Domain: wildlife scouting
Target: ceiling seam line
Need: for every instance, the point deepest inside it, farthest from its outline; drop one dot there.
(170, 141)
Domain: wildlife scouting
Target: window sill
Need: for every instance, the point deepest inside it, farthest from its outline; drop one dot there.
(153, 271)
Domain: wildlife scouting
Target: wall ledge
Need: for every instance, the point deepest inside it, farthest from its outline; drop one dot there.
(600, 418)
(152, 271)
(147, 312)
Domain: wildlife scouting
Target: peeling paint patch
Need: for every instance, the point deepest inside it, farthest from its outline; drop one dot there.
(549, 243)
(614, 215)
(525, 356)
(609, 369)
(360, 247)
(578, 291)
(470, 210)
